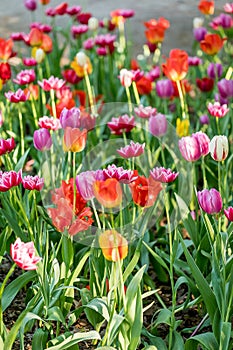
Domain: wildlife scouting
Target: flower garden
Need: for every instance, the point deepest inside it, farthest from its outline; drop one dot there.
(116, 203)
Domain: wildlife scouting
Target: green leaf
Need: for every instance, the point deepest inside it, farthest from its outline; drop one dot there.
(14, 287)
(177, 341)
(39, 339)
(132, 289)
(133, 262)
(157, 257)
(136, 327)
(158, 342)
(225, 335)
(207, 340)
(22, 160)
(205, 290)
(115, 323)
(55, 314)
(164, 316)
(106, 348)
(74, 339)
(13, 222)
(150, 347)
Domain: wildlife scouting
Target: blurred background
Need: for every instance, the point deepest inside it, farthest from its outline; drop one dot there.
(14, 17)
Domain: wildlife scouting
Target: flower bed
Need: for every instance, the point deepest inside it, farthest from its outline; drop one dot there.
(116, 184)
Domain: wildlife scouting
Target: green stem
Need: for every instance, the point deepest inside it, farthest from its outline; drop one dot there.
(181, 95)
(74, 184)
(136, 94)
(203, 172)
(129, 99)
(89, 92)
(21, 130)
(52, 96)
(34, 113)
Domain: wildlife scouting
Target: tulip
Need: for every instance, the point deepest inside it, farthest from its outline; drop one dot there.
(225, 88)
(108, 192)
(205, 84)
(210, 201)
(74, 139)
(84, 17)
(164, 88)
(73, 10)
(93, 23)
(145, 191)
(18, 96)
(214, 70)
(24, 255)
(126, 77)
(42, 139)
(176, 66)
(70, 117)
(204, 119)
(25, 77)
(31, 5)
(120, 174)
(194, 61)
(212, 44)
(49, 123)
(206, 7)
(132, 150)
(198, 22)
(158, 125)
(33, 183)
(223, 20)
(84, 183)
(219, 148)
(124, 123)
(5, 71)
(114, 246)
(199, 33)
(9, 179)
(229, 213)
(52, 83)
(164, 175)
(182, 127)
(6, 146)
(203, 142)
(228, 8)
(216, 110)
(77, 31)
(145, 112)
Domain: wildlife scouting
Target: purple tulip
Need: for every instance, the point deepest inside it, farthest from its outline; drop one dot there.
(42, 139)
(164, 88)
(158, 125)
(204, 119)
(199, 33)
(214, 70)
(31, 5)
(70, 117)
(225, 88)
(210, 201)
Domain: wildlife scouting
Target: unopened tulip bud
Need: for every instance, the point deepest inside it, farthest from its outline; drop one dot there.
(219, 148)
(198, 22)
(81, 59)
(39, 55)
(93, 23)
(210, 201)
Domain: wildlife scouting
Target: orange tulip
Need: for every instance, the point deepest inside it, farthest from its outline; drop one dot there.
(144, 86)
(35, 37)
(108, 192)
(74, 139)
(206, 7)
(44, 2)
(114, 246)
(47, 44)
(6, 49)
(176, 66)
(212, 44)
(156, 30)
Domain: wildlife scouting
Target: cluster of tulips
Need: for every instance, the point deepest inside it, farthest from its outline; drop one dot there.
(112, 167)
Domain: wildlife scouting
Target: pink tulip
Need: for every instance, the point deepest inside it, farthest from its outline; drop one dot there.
(49, 123)
(29, 61)
(76, 31)
(217, 110)
(132, 150)
(122, 124)
(70, 117)
(84, 182)
(126, 77)
(52, 83)
(24, 255)
(210, 201)
(145, 112)
(42, 139)
(26, 76)
(203, 141)
(9, 179)
(31, 5)
(73, 10)
(6, 146)
(120, 174)
(33, 183)
(158, 125)
(229, 213)
(18, 96)
(189, 148)
(162, 174)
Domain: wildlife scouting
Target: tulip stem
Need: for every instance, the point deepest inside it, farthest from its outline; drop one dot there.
(1, 294)
(181, 95)
(89, 91)
(96, 214)
(204, 172)
(74, 184)
(34, 111)
(136, 94)
(21, 130)
(52, 96)
(129, 99)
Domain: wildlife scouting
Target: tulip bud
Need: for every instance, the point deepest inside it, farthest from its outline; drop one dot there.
(31, 5)
(42, 139)
(114, 246)
(81, 59)
(219, 148)
(210, 201)
(158, 125)
(198, 22)
(93, 23)
(39, 55)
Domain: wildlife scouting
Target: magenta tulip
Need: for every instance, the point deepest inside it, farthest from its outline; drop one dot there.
(210, 201)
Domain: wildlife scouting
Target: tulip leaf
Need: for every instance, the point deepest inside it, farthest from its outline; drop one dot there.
(21, 161)
(39, 339)
(207, 340)
(14, 287)
(73, 339)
